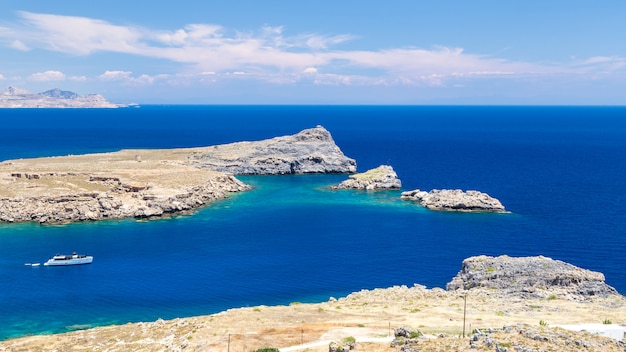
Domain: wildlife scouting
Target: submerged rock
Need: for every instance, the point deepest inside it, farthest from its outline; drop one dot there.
(309, 151)
(455, 200)
(529, 277)
(382, 177)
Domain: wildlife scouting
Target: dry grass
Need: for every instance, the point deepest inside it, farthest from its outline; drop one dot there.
(162, 170)
(363, 315)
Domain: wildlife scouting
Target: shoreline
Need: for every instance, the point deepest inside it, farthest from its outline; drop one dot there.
(365, 315)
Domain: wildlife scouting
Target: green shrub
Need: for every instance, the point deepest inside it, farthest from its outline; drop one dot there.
(268, 349)
(607, 321)
(543, 323)
(349, 339)
(415, 334)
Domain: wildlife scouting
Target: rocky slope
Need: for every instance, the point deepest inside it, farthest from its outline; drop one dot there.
(153, 183)
(530, 277)
(455, 200)
(55, 98)
(382, 177)
(310, 151)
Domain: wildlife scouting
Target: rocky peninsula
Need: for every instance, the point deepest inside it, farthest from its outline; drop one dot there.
(382, 177)
(154, 183)
(480, 317)
(455, 200)
(55, 98)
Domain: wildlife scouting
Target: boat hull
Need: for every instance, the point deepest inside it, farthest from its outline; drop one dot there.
(69, 260)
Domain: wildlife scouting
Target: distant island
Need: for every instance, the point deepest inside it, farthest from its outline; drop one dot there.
(54, 98)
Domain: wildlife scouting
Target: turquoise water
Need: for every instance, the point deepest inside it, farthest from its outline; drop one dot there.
(559, 170)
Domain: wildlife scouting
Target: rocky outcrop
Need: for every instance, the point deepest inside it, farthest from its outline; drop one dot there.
(455, 200)
(55, 98)
(120, 201)
(530, 277)
(310, 151)
(382, 177)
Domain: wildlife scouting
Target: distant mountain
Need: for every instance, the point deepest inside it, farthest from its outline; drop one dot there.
(61, 94)
(13, 97)
(15, 91)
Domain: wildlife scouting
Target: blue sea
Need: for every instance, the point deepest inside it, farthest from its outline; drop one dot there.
(560, 171)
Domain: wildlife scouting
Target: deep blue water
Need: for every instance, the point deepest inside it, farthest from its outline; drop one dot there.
(561, 171)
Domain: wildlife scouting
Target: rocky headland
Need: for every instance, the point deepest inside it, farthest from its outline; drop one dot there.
(484, 317)
(455, 200)
(310, 151)
(530, 277)
(380, 178)
(154, 183)
(55, 98)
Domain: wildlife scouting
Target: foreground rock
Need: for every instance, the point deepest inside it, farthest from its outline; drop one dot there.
(310, 151)
(382, 177)
(455, 200)
(530, 277)
(153, 183)
(55, 98)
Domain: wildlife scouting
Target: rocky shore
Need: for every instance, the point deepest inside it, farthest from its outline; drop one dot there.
(154, 183)
(455, 200)
(380, 178)
(482, 317)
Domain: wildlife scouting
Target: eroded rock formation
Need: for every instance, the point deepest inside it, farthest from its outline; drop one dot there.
(530, 277)
(382, 177)
(310, 151)
(455, 200)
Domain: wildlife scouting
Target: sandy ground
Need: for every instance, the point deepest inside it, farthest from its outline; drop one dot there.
(367, 316)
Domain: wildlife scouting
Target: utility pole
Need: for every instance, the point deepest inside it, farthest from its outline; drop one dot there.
(464, 310)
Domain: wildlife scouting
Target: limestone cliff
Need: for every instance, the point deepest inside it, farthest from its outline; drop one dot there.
(455, 200)
(530, 277)
(309, 151)
(382, 177)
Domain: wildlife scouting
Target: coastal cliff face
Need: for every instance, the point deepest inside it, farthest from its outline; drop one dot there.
(117, 200)
(530, 277)
(55, 98)
(310, 151)
(382, 177)
(455, 200)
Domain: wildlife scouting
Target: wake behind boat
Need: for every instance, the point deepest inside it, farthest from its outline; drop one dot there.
(73, 259)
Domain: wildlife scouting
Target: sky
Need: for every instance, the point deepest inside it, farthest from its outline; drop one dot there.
(487, 52)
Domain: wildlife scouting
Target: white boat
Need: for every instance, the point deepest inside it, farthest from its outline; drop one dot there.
(73, 259)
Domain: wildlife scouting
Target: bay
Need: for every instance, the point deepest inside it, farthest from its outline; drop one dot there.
(559, 170)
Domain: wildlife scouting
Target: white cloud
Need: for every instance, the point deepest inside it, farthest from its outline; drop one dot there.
(115, 75)
(19, 45)
(48, 76)
(126, 77)
(210, 49)
(2, 78)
